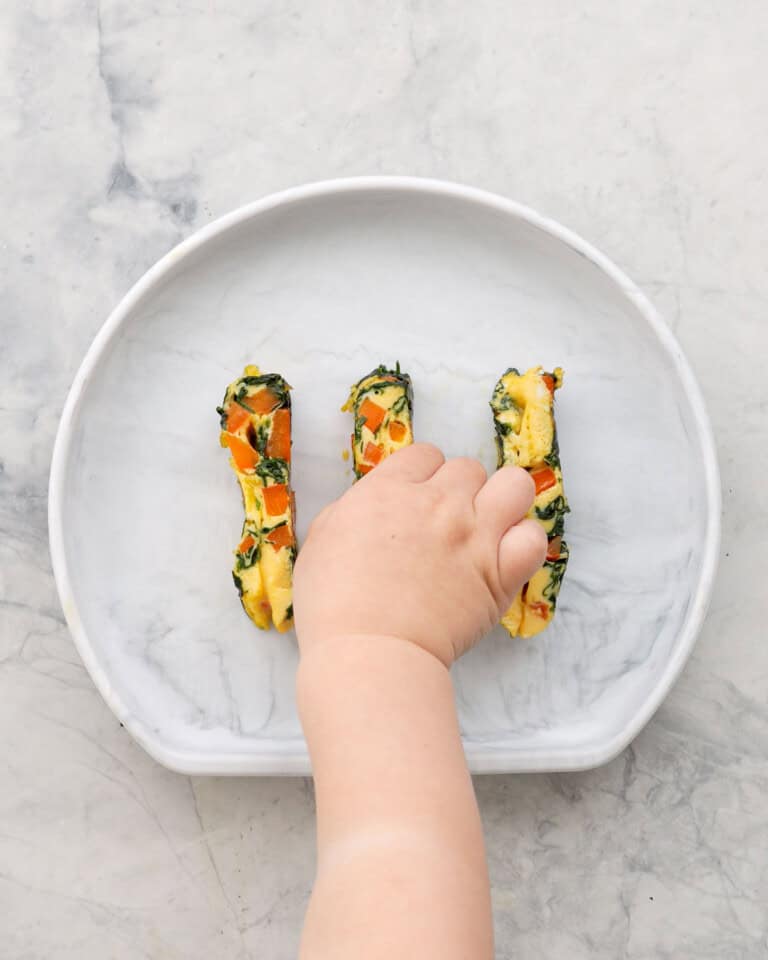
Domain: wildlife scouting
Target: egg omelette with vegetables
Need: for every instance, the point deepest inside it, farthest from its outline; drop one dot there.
(523, 415)
(382, 406)
(256, 428)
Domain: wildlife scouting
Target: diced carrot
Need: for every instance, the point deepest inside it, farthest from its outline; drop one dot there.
(372, 413)
(365, 468)
(279, 441)
(276, 499)
(373, 453)
(262, 402)
(544, 479)
(281, 536)
(540, 609)
(244, 455)
(245, 544)
(553, 548)
(237, 417)
(550, 382)
(397, 430)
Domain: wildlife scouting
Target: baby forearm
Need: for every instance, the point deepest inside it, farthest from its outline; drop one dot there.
(401, 868)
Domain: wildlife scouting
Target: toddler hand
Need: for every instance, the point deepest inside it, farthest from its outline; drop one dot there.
(424, 549)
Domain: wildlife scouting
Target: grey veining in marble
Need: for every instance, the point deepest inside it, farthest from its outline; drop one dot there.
(125, 127)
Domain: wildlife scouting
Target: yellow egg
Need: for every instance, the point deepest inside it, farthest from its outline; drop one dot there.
(382, 406)
(256, 427)
(523, 413)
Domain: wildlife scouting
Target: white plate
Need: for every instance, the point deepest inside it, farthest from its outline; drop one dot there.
(321, 283)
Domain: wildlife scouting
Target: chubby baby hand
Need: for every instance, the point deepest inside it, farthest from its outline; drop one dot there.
(425, 549)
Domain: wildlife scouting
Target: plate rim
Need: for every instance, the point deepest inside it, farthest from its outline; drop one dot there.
(480, 758)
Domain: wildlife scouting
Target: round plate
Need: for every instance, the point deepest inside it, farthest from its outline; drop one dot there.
(320, 284)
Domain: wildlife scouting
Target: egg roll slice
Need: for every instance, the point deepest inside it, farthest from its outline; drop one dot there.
(255, 421)
(382, 406)
(526, 436)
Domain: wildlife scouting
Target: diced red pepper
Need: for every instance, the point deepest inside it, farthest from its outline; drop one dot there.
(262, 402)
(244, 455)
(397, 430)
(281, 536)
(237, 417)
(372, 413)
(373, 453)
(276, 499)
(540, 609)
(553, 548)
(245, 544)
(550, 382)
(279, 441)
(544, 479)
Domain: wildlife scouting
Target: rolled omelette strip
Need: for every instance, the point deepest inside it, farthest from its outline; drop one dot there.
(382, 406)
(526, 436)
(255, 418)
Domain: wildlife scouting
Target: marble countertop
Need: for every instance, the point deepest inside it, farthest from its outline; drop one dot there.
(128, 126)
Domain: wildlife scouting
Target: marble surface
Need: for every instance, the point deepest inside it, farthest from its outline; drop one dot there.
(126, 127)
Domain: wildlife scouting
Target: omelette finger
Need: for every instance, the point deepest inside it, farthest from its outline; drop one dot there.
(523, 414)
(382, 406)
(255, 419)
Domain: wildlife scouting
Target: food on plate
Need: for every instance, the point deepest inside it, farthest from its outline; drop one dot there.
(382, 405)
(256, 428)
(523, 416)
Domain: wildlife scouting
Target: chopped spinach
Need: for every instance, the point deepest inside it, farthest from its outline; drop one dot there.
(551, 510)
(262, 436)
(501, 400)
(238, 583)
(251, 556)
(266, 530)
(556, 510)
(400, 404)
(289, 612)
(274, 381)
(378, 387)
(273, 469)
(358, 435)
(502, 430)
(556, 569)
(553, 457)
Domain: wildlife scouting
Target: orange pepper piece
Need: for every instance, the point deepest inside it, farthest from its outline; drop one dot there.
(540, 609)
(544, 479)
(279, 441)
(245, 544)
(372, 413)
(244, 455)
(397, 430)
(237, 417)
(373, 453)
(550, 382)
(553, 548)
(280, 537)
(276, 499)
(262, 402)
